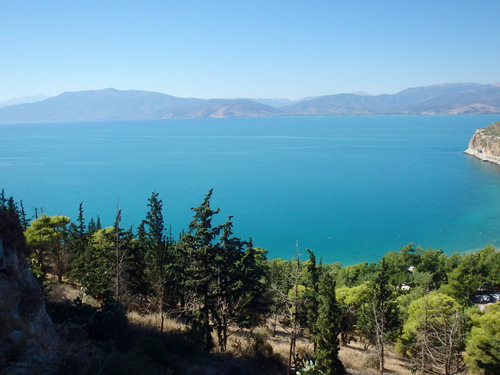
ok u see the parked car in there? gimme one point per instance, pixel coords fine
(475, 298)
(485, 298)
(495, 296)
(481, 298)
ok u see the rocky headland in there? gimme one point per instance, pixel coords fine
(485, 144)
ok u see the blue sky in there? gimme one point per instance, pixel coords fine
(260, 49)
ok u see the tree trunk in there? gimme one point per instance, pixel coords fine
(162, 308)
(290, 354)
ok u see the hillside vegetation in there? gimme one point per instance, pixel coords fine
(493, 129)
(223, 307)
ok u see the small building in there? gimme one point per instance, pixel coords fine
(405, 287)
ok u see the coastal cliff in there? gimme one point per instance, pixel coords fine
(485, 144)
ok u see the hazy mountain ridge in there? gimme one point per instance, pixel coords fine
(453, 98)
(444, 99)
(129, 104)
(22, 100)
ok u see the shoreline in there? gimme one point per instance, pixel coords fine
(483, 157)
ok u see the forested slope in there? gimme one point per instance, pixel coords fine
(218, 284)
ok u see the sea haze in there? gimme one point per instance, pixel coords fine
(349, 188)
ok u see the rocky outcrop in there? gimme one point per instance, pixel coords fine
(485, 144)
(26, 331)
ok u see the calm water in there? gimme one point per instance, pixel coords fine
(350, 188)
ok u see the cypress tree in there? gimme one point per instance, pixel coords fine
(157, 246)
(328, 329)
(311, 294)
(198, 245)
(138, 284)
(381, 312)
(77, 240)
(253, 303)
(96, 273)
(121, 241)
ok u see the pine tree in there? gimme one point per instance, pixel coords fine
(433, 333)
(483, 343)
(328, 329)
(46, 239)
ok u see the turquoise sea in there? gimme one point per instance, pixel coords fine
(349, 188)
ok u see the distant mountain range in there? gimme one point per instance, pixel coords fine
(26, 99)
(444, 99)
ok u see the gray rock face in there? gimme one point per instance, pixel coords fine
(15, 337)
(25, 327)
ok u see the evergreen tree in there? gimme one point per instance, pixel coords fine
(11, 227)
(22, 216)
(351, 301)
(433, 333)
(239, 284)
(94, 226)
(311, 293)
(77, 240)
(121, 241)
(483, 344)
(279, 273)
(97, 271)
(254, 302)
(328, 329)
(198, 244)
(294, 301)
(157, 247)
(46, 239)
(227, 287)
(382, 314)
(475, 270)
(138, 284)
(397, 264)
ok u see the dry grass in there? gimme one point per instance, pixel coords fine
(280, 342)
(361, 361)
(354, 356)
(65, 292)
(153, 320)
